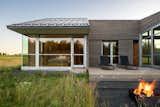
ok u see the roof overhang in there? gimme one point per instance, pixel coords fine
(60, 26)
(49, 30)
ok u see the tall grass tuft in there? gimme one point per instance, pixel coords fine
(45, 91)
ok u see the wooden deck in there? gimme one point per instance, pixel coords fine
(98, 74)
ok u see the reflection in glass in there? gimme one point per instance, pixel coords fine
(146, 46)
(107, 49)
(146, 50)
(55, 46)
(28, 60)
(78, 60)
(145, 34)
(28, 45)
(156, 51)
(115, 59)
(115, 48)
(78, 45)
(54, 60)
(157, 31)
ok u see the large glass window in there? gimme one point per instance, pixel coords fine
(55, 46)
(78, 51)
(106, 48)
(28, 60)
(146, 48)
(78, 59)
(110, 49)
(157, 31)
(54, 60)
(55, 51)
(28, 51)
(156, 42)
(157, 51)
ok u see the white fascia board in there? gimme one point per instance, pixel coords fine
(46, 68)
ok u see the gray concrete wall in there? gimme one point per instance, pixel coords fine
(123, 31)
(126, 48)
(114, 29)
(94, 52)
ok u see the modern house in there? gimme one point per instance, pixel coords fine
(66, 43)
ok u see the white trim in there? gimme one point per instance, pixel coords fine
(85, 51)
(54, 54)
(79, 66)
(22, 51)
(140, 50)
(46, 68)
(111, 53)
(72, 52)
(79, 54)
(102, 48)
(37, 52)
(152, 44)
(29, 54)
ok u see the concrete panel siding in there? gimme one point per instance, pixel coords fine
(114, 29)
(123, 31)
(126, 48)
(94, 52)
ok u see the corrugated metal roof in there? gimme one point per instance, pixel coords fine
(54, 22)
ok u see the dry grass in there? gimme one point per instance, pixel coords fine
(7, 61)
(42, 90)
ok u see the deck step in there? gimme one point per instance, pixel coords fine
(121, 77)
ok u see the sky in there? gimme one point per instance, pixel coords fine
(16, 11)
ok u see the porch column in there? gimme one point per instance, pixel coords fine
(72, 52)
(140, 50)
(37, 52)
(111, 53)
(152, 44)
(85, 51)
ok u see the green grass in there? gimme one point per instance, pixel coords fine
(45, 90)
(9, 68)
(10, 61)
(40, 89)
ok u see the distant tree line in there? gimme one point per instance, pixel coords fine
(5, 54)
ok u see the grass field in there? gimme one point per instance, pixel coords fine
(9, 61)
(40, 89)
(44, 90)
